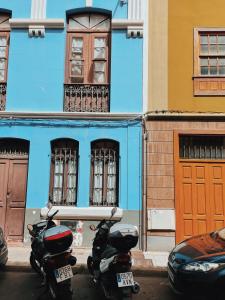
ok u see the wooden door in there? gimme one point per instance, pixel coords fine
(13, 184)
(200, 198)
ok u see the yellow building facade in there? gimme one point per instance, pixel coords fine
(184, 136)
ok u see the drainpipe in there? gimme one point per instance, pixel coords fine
(144, 186)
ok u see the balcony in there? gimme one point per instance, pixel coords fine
(86, 98)
(2, 96)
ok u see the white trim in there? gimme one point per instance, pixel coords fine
(135, 9)
(145, 56)
(83, 213)
(124, 23)
(47, 23)
(38, 9)
(89, 3)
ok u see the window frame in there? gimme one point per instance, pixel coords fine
(111, 144)
(57, 144)
(206, 85)
(4, 32)
(88, 36)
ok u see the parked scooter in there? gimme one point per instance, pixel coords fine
(51, 256)
(111, 261)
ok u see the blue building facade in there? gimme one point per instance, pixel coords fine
(40, 105)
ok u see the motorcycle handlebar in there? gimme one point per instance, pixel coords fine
(51, 217)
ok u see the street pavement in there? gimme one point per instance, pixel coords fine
(26, 286)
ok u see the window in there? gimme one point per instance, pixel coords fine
(64, 169)
(104, 173)
(87, 63)
(4, 48)
(202, 146)
(209, 63)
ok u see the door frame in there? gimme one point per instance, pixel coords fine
(10, 157)
(177, 160)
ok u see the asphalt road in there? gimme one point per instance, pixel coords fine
(26, 286)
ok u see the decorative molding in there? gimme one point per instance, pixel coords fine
(38, 9)
(89, 3)
(134, 27)
(47, 23)
(70, 116)
(83, 213)
(135, 10)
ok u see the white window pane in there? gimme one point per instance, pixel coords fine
(99, 77)
(57, 195)
(204, 61)
(77, 42)
(204, 39)
(221, 39)
(204, 49)
(97, 197)
(76, 68)
(2, 51)
(2, 75)
(58, 179)
(213, 70)
(213, 61)
(222, 61)
(71, 166)
(212, 39)
(221, 49)
(100, 42)
(2, 64)
(2, 41)
(213, 49)
(98, 164)
(71, 181)
(99, 66)
(58, 166)
(222, 70)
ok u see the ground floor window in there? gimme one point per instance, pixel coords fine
(202, 146)
(104, 173)
(64, 169)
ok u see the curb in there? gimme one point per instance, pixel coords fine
(82, 269)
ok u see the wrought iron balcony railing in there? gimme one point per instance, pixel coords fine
(2, 96)
(86, 98)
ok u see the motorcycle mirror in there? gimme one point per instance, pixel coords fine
(113, 211)
(92, 227)
(30, 227)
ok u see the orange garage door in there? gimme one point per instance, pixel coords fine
(200, 198)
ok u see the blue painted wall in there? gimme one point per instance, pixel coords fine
(36, 65)
(19, 8)
(40, 133)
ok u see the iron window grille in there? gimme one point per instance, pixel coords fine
(202, 146)
(104, 173)
(64, 170)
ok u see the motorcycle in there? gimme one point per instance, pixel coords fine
(111, 260)
(51, 256)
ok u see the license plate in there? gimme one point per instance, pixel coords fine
(63, 273)
(125, 279)
(170, 275)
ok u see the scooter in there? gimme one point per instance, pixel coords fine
(51, 256)
(111, 260)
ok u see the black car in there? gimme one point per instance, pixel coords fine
(198, 264)
(3, 249)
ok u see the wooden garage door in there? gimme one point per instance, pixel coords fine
(200, 198)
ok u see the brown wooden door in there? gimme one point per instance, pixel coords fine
(200, 198)
(13, 184)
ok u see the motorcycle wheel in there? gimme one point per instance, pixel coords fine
(60, 291)
(35, 264)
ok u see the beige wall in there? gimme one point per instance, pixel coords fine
(158, 55)
(184, 16)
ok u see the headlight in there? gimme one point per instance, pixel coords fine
(201, 266)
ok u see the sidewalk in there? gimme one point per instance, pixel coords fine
(18, 260)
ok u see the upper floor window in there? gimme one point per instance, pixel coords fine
(64, 169)
(104, 173)
(87, 63)
(4, 49)
(209, 62)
